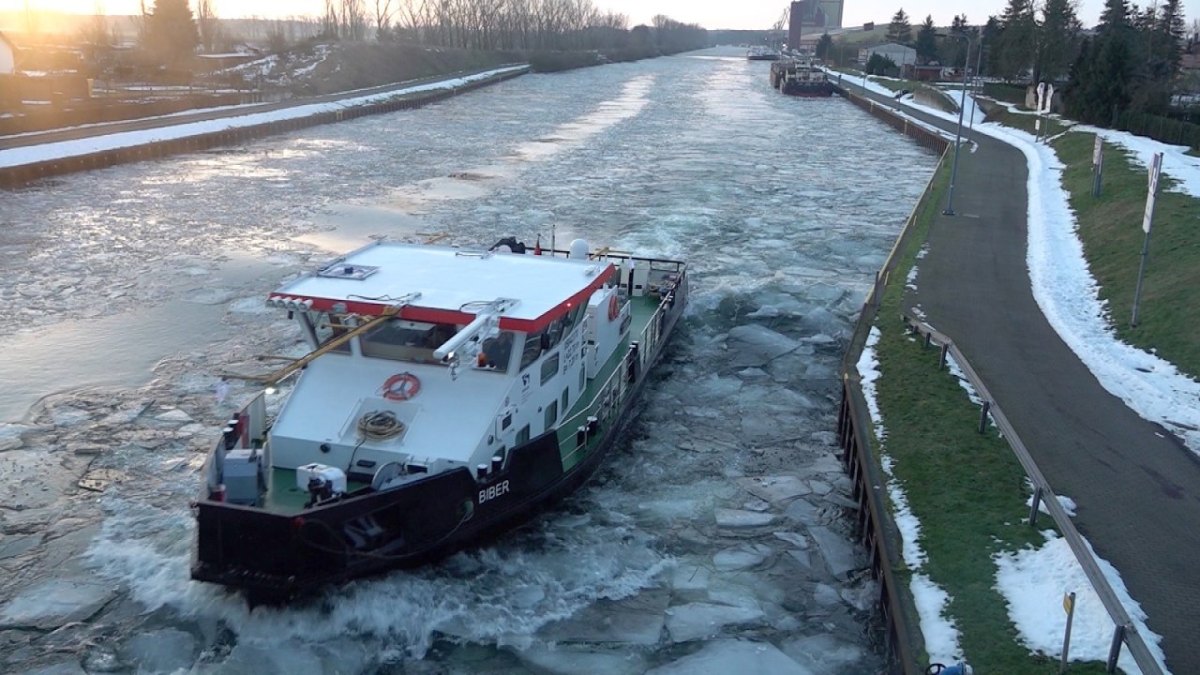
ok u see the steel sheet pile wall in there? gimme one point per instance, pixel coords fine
(923, 136)
(876, 528)
(11, 177)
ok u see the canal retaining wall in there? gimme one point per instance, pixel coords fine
(17, 176)
(875, 527)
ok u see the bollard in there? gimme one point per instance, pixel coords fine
(1114, 651)
(983, 416)
(942, 357)
(1037, 502)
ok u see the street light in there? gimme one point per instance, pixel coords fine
(949, 210)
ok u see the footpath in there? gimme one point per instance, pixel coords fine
(1133, 482)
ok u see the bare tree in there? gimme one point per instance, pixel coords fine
(353, 20)
(209, 25)
(383, 17)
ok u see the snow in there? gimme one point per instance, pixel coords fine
(1069, 298)
(734, 656)
(1034, 581)
(1182, 167)
(85, 146)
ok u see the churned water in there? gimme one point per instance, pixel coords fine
(716, 534)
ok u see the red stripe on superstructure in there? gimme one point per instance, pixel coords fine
(436, 315)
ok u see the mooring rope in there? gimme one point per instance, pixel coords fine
(379, 425)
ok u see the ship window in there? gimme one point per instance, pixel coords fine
(496, 352)
(566, 397)
(533, 348)
(549, 368)
(523, 435)
(401, 340)
(551, 414)
(582, 378)
(329, 326)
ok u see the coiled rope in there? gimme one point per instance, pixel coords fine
(379, 425)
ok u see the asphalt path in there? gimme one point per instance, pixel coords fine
(201, 115)
(1137, 488)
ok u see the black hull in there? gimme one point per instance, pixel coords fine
(810, 91)
(274, 557)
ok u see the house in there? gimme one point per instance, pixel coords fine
(899, 54)
(8, 56)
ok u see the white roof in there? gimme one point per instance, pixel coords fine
(450, 280)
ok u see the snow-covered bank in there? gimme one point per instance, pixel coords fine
(1177, 164)
(940, 633)
(85, 146)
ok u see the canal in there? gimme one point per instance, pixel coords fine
(716, 534)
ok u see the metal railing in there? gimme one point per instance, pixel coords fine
(1125, 631)
(607, 400)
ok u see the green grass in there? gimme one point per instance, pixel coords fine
(1110, 227)
(967, 489)
(999, 113)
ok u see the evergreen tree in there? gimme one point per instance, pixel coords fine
(1114, 18)
(1017, 48)
(824, 47)
(993, 33)
(1058, 38)
(954, 51)
(1172, 30)
(900, 30)
(1102, 80)
(170, 31)
(927, 47)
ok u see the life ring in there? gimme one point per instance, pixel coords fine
(400, 387)
(614, 308)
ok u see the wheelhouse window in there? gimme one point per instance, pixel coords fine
(496, 352)
(328, 327)
(401, 340)
(548, 338)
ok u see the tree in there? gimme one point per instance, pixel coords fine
(927, 47)
(824, 45)
(992, 32)
(171, 34)
(900, 30)
(879, 64)
(1172, 31)
(210, 27)
(1017, 48)
(954, 52)
(1058, 39)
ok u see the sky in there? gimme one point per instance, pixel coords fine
(747, 14)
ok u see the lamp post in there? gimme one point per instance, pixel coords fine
(949, 210)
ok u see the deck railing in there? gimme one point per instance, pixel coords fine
(607, 401)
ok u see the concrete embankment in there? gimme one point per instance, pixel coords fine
(20, 166)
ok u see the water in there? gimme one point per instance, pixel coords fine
(128, 291)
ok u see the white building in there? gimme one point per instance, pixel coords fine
(899, 54)
(8, 56)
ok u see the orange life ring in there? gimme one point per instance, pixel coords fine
(613, 308)
(400, 387)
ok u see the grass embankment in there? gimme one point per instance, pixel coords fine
(997, 112)
(967, 489)
(1110, 227)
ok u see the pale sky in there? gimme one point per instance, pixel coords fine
(752, 14)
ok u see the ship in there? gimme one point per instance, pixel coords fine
(449, 396)
(798, 75)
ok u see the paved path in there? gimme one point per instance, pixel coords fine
(1136, 487)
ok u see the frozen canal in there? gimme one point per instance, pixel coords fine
(717, 533)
